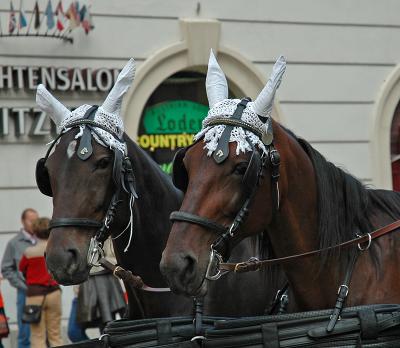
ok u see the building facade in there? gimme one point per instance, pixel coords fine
(340, 92)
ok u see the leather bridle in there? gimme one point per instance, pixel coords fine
(123, 178)
(225, 233)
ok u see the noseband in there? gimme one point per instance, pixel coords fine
(123, 178)
(251, 181)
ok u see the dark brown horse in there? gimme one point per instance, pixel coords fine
(82, 189)
(311, 205)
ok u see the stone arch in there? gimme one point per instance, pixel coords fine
(386, 102)
(191, 54)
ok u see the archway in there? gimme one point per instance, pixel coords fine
(191, 54)
(380, 131)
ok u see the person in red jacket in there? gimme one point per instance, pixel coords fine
(42, 289)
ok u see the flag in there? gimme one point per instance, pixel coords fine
(72, 15)
(60, 14)
(86, 21)
(22, 18)
(77, 9)
(91, 25)
(50, 16)
(82, 13)
(36, 12)
(12, 24)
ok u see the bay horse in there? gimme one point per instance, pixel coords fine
(103, 184)
(247, 175)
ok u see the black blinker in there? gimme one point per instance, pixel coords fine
(179, 173)
(42, 178)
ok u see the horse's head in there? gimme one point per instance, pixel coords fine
(86, 178)
(221, 176)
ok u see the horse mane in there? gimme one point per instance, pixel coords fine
(345, 206)
(152, 168)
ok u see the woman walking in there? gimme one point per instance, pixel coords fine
(43, 290)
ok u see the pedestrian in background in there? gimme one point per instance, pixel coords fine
(9, 268)
(42, 289)
(101, 297)
(4, 329)
(76, 332)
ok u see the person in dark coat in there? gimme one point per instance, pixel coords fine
(101, 297)
(9, 268)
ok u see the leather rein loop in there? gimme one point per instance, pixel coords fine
(255, 265)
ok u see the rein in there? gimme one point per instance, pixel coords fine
(254, 264)
(216, 263)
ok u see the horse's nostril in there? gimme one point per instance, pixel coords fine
(73, 253)
(190, 264)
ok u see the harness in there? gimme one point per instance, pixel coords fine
(251, 180)
(123, 178)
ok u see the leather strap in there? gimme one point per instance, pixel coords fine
(221, 153)
(342, 295)
(368, 324)
(164, 331)
(248, 266)
(234, 123)
(85, 149)
(270, 335)
(197, 220)
(134, 281)
(74, 222)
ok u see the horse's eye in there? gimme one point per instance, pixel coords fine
(240, 168)
(103, 163)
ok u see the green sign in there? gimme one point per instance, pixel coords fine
(174, 117)
(170, 125)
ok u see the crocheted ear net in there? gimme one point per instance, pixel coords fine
(212, 134)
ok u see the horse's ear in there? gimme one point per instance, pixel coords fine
(216, 84)
(50, 105)
(113, 102)
(262, 106)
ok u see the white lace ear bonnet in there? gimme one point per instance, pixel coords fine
(256, 113)
(108, 114)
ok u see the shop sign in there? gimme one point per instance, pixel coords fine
(27, 123)
(170, 125)
(57, 78)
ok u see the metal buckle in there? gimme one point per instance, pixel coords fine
(102, 336)
(107, 222)
(343, 286)
(118, 268)
(95, 252)
(331, 316)
(214, 261)
(275, 157)
(369, 242)
(195, 338)
(232, 228)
